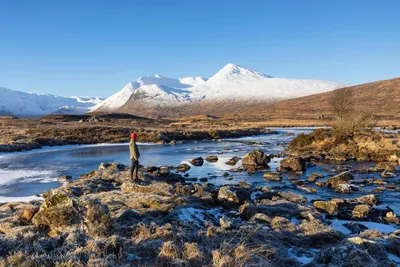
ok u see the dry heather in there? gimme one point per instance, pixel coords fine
(109, 221)
(25, 134)
(366, 145)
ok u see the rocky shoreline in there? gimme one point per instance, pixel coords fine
(169, 219)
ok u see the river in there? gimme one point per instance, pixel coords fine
(25, 174)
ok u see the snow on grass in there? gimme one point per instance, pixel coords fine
(197, 215)
(302, 258)
(383, 228)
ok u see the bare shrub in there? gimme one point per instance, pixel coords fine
(341, 102)
(349, 119)
(358, 122)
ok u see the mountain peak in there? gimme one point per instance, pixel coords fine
(232, 71)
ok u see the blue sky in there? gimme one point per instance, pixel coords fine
(95, 47)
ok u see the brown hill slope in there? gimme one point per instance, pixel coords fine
(381, 98)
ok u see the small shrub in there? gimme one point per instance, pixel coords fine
(301, 141)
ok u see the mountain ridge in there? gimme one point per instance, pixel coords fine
(231, 82)
(23, 104)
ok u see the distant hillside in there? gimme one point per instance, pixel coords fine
(381, 97)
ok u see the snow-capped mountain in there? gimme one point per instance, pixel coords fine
(232, 82)
(22, 104)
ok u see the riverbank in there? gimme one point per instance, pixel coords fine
(170, 219)
(330, 144)
(58, 130)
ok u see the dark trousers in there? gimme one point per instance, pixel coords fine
(135, 169)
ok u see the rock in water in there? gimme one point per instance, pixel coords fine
(233, 196)
(212, 159)
(57, 211)
(272, 176)
(232, 161)
(292, 197)
(98, 219)
(256, 159)
(314, 177)
(183, 167)
(329, 207)
(339, 179)
(361, 211)
(368, 200)
(296, 164)
(197, 161)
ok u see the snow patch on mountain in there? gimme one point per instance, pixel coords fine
(22, 104)
(232, 82)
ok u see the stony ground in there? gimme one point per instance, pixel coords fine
(102, 219)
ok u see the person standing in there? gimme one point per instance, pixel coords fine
(135, 155)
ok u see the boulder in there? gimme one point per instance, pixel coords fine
(342, 178)
(57, 211)
(212, 159)
(272, 176)
(256, 159)
(380, 213)
(346, 188)
(233, 196)
(292, 197)
(260, 218)
(361, 211)
(232, 161)
(314, 177)
(28, 213)
(328, 207)
(183, 167)
(197, 161)
(97, 219)
(296, 164)
(248, 210)
(368, 200)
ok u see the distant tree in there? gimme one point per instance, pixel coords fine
(341, 102)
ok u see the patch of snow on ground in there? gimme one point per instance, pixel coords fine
(383, 228)
(190, 214)
(303, 258)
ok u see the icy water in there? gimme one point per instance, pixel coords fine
(24, 174)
